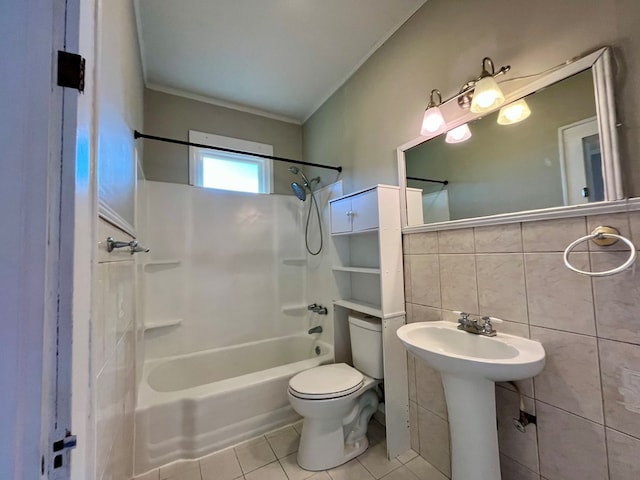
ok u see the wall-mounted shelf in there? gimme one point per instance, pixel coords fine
(360, 306)
(358, 232)
(165, 262)
(365, 270)
(174, 322)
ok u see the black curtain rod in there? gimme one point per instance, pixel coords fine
(137, 134)
(443, 182)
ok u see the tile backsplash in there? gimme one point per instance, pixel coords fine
(587, 399)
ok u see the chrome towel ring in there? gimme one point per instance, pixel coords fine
(603, 236)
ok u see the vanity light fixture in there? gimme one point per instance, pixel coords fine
(514, 112)
(433, 122)
(486, 92)
(459, 134)
(480, 95)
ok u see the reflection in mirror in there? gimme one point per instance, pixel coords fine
(551, 157)
(509, 168)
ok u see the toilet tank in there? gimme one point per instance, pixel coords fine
(366, 344)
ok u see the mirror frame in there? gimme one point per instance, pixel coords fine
(600, 62)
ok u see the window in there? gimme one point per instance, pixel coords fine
(229, 171)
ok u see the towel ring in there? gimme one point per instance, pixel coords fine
(602, 236)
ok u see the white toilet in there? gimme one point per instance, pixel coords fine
(337, 400)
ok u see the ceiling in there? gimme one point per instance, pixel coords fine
(281, 58)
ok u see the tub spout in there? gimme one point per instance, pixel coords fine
(313, 330)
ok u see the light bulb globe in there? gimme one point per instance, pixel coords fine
(432, 122)
(486, 95)
(459, 134)
(514, 112)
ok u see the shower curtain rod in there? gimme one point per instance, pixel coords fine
(443, 182)
(137, 134)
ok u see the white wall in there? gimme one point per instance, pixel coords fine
(173, 116)
(119, 110)
(240, 265)
(441, 46)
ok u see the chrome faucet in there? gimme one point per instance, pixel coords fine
(313, 330)
(319, 309)
(472, 326)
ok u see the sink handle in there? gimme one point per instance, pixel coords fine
(487, 327)
(493, 319)
(464, 317)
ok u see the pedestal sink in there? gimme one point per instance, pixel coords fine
(470, 365)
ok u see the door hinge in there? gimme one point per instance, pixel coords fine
(585, 192)
(71, 70)
(69, 442)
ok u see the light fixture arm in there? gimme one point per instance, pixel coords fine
(485, 70)
(432, 102)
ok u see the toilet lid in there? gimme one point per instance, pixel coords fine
(326, 381)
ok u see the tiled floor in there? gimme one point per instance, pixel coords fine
(273, 457)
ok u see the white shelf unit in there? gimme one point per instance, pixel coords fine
(367, 267)
(366, 232)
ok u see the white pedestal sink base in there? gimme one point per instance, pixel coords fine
(470, 364)
(471, 403)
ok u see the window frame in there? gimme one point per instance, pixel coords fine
(196, 154)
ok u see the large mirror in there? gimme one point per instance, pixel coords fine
(563, 154)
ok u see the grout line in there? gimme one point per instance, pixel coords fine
(235, 454)
(606, 451)
(521, 464)
(607, 427)
(586, 335)
(544, 327)
(570, 413)
(602, 409)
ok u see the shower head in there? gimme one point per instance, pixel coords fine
(299, 191)
(307, 182)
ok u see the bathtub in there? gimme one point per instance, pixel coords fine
(195, 404)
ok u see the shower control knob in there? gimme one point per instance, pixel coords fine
(312, 306)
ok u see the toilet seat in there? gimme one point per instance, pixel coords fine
(327, 381)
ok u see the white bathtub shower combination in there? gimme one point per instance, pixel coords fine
(194, 404)
(231, 270)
